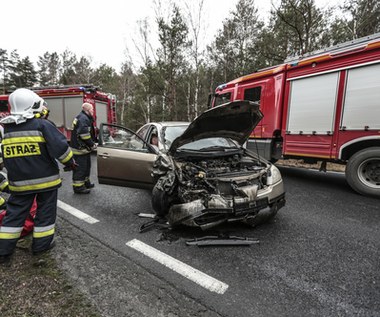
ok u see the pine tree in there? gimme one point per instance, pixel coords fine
(360, 18)
(49, 67)
(171, 55)
(4, 80)
(28, 75)
(67, 72)
(235, 50)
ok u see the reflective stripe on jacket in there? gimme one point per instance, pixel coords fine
(30, 151)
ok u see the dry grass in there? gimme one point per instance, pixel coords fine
(33, 286)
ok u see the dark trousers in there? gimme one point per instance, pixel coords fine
(18, 208)
(82, 173)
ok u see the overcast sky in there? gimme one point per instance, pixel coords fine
(100, 29)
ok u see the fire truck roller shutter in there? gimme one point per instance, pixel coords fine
(362, 92)
(73, 105)
(312, 104)
(55, 105)
(101, 113)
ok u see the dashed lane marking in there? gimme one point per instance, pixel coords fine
(185, 270)
(76, 212)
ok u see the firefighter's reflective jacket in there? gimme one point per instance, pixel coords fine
(82, 136)
(4, 188)
(30, 151)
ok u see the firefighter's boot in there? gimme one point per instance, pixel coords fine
(81, 190)
(39, 252)
(88, 184)
(5, 260)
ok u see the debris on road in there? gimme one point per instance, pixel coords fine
(222, 241)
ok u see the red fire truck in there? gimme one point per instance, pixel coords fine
(323, 107)
(64, 103)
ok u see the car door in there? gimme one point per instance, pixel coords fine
(124, 158)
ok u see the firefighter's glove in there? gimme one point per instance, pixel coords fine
(93, 148)
(71, 167)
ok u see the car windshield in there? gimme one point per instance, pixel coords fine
(210, 144)
(172, 132)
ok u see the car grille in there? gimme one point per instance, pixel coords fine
(210, 216)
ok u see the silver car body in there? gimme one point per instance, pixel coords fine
(203, 177)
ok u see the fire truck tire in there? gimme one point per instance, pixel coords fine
(160, 201)
(363, 171)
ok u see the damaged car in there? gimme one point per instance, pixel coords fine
(202, 177)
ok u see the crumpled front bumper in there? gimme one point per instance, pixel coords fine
(218, 209)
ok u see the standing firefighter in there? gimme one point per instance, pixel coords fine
(30, 149)
(82, 143)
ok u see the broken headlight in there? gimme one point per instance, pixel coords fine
(274, 175)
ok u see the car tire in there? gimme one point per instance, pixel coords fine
(363, 171)
(160, 201)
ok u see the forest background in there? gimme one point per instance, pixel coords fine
(176, 76)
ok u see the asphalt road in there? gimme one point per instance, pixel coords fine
(319, 257)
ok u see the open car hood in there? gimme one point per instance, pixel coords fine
(234, 120)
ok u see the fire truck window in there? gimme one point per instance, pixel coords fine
(4, 106)
(253, 94)
(222, 98)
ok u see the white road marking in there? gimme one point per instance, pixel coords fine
(185, 270)
(77, 213)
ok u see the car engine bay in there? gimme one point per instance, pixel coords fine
(208, 189)
(225, 176)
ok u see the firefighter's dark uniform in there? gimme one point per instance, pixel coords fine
(82, 141)
(30, 150)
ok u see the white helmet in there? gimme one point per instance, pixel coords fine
(25, 103)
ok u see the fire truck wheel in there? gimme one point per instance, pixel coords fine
(160, 201)
(363, 171)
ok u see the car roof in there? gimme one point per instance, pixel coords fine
(172, 123)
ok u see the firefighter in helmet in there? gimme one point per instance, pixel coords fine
(82, 143)
(30, 149)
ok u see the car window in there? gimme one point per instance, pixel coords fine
(142, 132)
(209, 143)
(153, 137)
(171, 133)
(117, 137)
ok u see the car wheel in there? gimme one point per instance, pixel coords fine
(160, 201)
(363, 171)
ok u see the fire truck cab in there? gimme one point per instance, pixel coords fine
(321, 107)
(65, 102)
